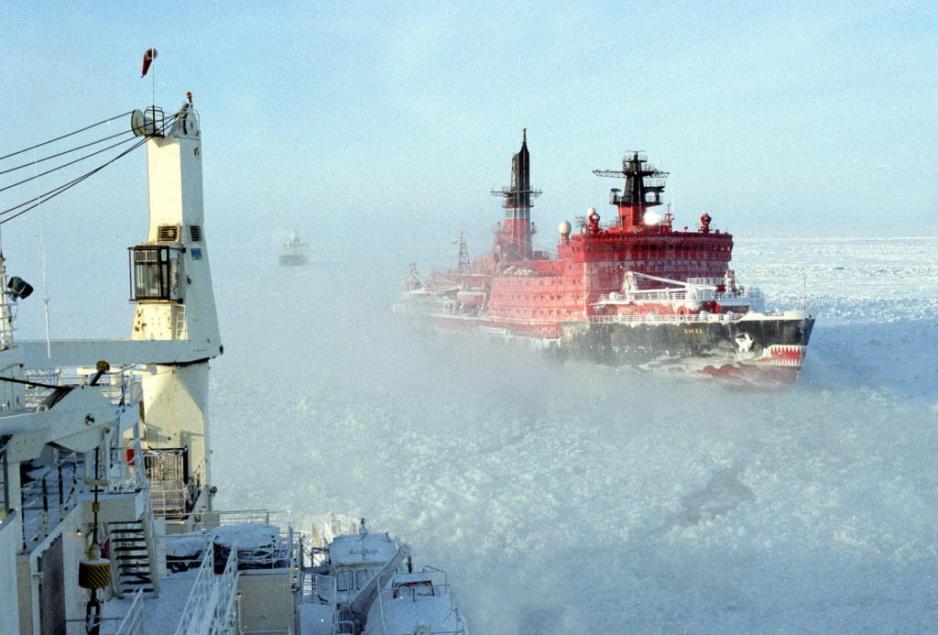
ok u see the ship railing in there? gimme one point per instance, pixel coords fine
(119, 387)
(169, 498)
(225, 615)
(199, 606)
(203, 523)
(126, 473)
(664, 319)
(740, 297)
(210, 605)
(132, 624)
(310, 559)
(214, 519)
(49, 497)
(651, 294)
(171, 494)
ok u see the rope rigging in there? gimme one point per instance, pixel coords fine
(65, 165)
(63, 153)
(6, 215)
(65, 136)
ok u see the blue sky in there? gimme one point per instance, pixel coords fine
(383, 126)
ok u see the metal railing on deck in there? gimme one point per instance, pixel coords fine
(126, 475)
(210, 605)
(225, 613)
(132, 624)
(119, 386)
(211, 520)
(663, 318)
(48, 498)
(169, 498)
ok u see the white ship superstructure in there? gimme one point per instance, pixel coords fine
(107, 521)
(294, 251)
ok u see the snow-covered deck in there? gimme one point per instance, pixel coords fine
(315, 619)
(161, 615)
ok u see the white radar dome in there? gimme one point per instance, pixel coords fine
(564, 228)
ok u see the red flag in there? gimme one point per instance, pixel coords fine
(148, 58)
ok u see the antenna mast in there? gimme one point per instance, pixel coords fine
(463, 265)
(642, 180)
(517, 230)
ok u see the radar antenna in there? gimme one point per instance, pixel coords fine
(644, 185)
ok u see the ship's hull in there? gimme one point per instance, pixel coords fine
(757, 350)
(293, 260)
(760, 350)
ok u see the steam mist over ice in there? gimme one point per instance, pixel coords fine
(567, 498)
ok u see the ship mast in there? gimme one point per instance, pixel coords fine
(515, 235)
(644, 185)
(463, 264)
(172, 292)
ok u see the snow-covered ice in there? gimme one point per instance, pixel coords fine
(575, 498)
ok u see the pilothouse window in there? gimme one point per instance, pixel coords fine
(153, 273)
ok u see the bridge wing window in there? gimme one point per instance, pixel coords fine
(153, 272)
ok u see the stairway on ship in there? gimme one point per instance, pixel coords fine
(130, 554)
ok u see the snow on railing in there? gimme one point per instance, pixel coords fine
(119, 386)
(200, 605)
(208, 522)
(46, 499)
(194, 614)
(132, 624)
(224, 617)
(121, 478)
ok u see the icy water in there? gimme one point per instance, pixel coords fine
(574, 498)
